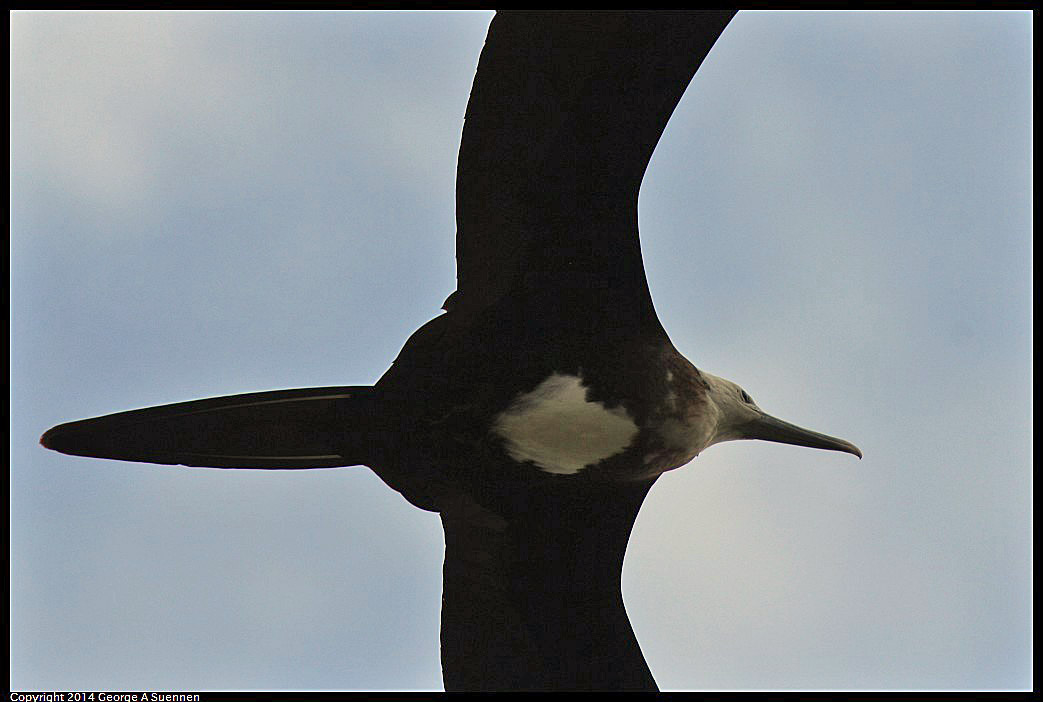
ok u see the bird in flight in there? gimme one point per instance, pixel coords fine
(537, 411)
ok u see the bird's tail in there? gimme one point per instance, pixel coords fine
(279, 429)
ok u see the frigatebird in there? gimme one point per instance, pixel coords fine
(535, 414)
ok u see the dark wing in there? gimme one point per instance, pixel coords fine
(565, 111)
(531, 598)
(302, 428)
(564, 114)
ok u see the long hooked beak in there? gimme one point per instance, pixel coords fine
(768, 428)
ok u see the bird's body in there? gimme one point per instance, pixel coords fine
(536, 413)
(546, 404)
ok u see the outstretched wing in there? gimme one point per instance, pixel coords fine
(301, 428)
(531, 597)
(565, 111)
(564, 114)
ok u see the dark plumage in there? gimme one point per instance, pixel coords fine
(535, 414)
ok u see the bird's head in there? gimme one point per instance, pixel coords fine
(739, 417)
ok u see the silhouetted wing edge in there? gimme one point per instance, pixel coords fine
(533, 600)
(563, 117)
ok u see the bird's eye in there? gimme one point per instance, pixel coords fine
(745, 397)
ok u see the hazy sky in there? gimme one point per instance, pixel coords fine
(838, 217)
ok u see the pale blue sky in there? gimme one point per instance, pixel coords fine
(838, 217)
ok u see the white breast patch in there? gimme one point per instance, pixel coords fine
(555, 427)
